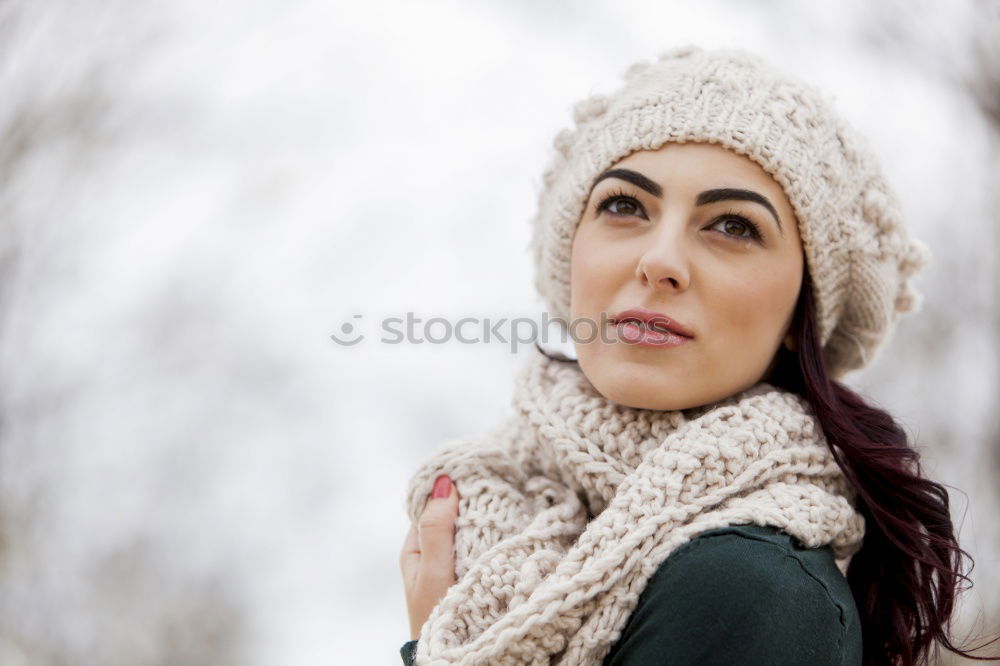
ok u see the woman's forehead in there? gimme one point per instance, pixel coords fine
(696, 167)
(696, 162)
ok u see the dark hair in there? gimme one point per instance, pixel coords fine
(909, 571)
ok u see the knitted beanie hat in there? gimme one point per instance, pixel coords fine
(857, 249)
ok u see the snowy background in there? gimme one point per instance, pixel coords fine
(194, 196)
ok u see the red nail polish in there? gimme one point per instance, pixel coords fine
(442, 487)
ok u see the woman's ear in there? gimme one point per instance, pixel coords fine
(789, 342)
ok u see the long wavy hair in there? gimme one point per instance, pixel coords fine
(910, 569)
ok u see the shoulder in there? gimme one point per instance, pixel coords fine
(743, 594)
(772, 564)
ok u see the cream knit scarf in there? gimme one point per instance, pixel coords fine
(568, 507)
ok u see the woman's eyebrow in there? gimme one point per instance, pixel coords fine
(633, 177)
(706, 197)
(730, 193)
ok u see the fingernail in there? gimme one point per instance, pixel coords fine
(442, 487)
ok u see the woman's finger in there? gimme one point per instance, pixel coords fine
(436, 531)
(409, 556)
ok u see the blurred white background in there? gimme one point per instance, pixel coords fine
(194, 196)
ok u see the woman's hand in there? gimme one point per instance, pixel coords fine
(428, 556)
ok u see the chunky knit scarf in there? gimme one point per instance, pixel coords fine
(568, 507)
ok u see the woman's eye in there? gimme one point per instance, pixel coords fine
(622, 206)
(738, 226)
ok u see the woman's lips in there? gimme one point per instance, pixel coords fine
(632, 332)
(653, 319)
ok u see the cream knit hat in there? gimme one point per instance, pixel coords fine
(857, 249)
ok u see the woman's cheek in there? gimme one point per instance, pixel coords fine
(758, 308)
(588, 276)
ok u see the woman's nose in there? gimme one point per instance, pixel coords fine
(664, 264)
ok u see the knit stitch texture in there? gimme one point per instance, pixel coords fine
(568, 506)
(856, 246)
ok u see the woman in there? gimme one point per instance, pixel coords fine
(696, 486)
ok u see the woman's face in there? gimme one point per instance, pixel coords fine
(704, 237)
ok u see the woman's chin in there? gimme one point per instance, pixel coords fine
(633, 385)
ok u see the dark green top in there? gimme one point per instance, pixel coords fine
(742, 594)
